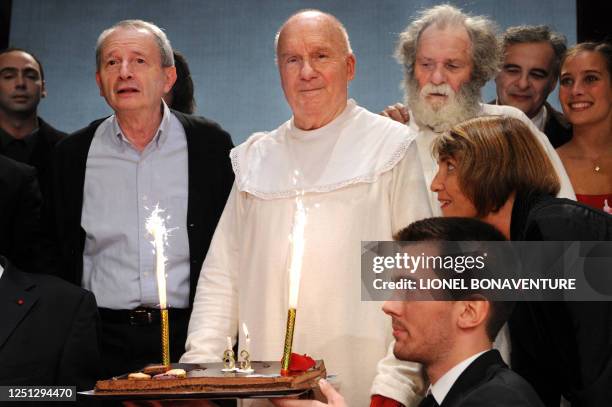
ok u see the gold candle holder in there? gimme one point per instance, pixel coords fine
(288, 341)
(245, 363)
(229, 361)
(165, 334)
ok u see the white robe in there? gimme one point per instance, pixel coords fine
(362, 180)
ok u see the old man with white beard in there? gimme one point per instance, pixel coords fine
(448, 57)
(358, 176)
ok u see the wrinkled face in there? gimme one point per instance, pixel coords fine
(130, 75)
(585, 89)
(453, 201)
(315, 69)
(21, 85)
(422, 329)
(526, 78)
(443, 57)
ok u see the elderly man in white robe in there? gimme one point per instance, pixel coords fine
(358, 176)
(448, 56)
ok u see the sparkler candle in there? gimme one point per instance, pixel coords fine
(295, 270)
(155, 225)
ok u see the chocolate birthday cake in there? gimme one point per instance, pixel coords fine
(210, 378)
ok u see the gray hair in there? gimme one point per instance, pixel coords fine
(485, 50)
(526, 34)
(340, 26)
(165, 49)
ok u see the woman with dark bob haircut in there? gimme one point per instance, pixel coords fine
(494, 169)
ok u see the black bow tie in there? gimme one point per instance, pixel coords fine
(429, 401)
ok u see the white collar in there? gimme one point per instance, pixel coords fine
(540, 119)
(441, 388)
(1, 270)
(356, 147)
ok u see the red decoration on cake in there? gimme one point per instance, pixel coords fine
(300, 363)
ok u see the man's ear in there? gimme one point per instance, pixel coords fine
(43, 93)
(473, 313)
(351, 61)
(170, 73)
(99, 82)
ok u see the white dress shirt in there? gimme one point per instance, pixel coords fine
(540, 119)
(441, 388)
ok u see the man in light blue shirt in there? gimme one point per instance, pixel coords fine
(112, 174)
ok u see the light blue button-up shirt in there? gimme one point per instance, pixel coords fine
(122, 186)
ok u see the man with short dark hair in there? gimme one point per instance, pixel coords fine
(109, 177)
(24, 136)
(530, 69)
(452, 338)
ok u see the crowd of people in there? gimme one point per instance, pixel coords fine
(440, 166)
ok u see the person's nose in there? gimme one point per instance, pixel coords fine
(523, 82)
(438, 76)
(20, 81)
(388, 307)
(125, 71)
(436, 184)
(307, 71)
(578, 88)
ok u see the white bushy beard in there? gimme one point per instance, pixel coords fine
(459, 106)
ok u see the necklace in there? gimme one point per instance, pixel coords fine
(596, 163)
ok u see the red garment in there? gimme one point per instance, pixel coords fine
(601, 202)
(381, 401)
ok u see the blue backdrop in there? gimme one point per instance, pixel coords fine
(229, 46)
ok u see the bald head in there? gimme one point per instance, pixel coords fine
(316, 64)
(328, 25)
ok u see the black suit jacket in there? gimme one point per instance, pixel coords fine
(49, 331)
(563, 348)
(489, 382)
(557, 128)
(46, 139)
(40, 159)
(20, 211)
(210, 180)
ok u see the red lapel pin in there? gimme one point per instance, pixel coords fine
(20, 302)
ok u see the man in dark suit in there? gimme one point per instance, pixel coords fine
(24, 136)
(49, 331)
(20, 208)
(452, 337)
(108, 178)
(530, 69)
